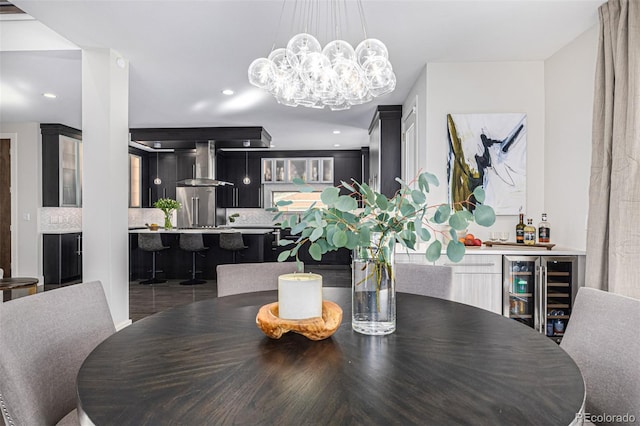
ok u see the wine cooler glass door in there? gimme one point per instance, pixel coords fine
(521, 289)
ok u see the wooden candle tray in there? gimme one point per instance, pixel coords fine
(317, 328)
(548, 246)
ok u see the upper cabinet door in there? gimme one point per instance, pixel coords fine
(61, 166)
(70, 172)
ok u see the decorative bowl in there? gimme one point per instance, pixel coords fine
(317, 328)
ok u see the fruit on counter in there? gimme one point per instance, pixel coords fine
(470, 240)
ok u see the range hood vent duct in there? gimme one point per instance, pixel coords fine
(204, 167)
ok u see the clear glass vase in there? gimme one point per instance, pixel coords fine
(374, 288)
(167, 220)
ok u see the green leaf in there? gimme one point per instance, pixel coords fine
(330, 196)
(285, 242)
(295, 230)
(352, 240)
(283, 203)
(424, 234)
(442, 214)
(340, 239)
(431, 178)
(347, 186)
(277, 216)
(418, 197)
(346, 203)
(294, 251)
(365, 236)
(455, 251)
(317, 233)
(382, 202)
(433, 251)
(453, 234)
(298, 181)
(484, 215)
(407, 209)
(315, 251)
(324, 246)
(271, 209)
(458, 221)
(478, 193)
(284, 255)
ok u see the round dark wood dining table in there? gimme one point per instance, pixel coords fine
(207, 363)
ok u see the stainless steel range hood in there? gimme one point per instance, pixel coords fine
(204, 174)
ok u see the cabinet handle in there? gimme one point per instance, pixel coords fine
(544, 299)
(197, 211)
(149, 196)
(164, 192)
(469, 264)
(193, 171)
(193, 209)
(260, 201)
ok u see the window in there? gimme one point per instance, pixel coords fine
(135, 180)
(300, 200)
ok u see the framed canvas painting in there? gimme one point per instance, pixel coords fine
(489, 150)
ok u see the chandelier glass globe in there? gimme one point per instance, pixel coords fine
(337, 76)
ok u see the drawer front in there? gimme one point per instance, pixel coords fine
(474, 264)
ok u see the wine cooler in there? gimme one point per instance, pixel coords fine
(539, 291)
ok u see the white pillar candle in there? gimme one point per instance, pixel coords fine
(299, 296)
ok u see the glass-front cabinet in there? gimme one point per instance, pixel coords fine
(61, 166)
(539, 291)
(285, 170)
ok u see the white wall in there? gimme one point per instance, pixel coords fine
(26, 184)
(569, 83)
(487, 87)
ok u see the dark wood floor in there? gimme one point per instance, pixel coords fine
(145, 300)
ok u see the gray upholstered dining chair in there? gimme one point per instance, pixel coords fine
(45, 339)
(424, 280)
(603, 338)
(250, 277)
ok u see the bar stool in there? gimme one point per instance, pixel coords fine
(194, 244)
(151, 242)
(233, 242)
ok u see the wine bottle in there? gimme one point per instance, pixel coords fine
(544, 230)
(529, 233)
(520, 230)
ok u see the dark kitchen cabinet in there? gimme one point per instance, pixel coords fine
(233, 167)
(62, 257)
(61, 166)
(185, 164)
(347, 165)
(163, 166)
(385, 149)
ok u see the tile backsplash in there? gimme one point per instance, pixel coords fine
(251, 217)
(138, 217)
(56, 219)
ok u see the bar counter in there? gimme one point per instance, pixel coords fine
(175, 263)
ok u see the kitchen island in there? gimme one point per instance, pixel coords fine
(176, 263)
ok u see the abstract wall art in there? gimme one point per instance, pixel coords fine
(489, 150)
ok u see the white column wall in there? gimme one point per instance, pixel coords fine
(26, 177)
(105, 133)
(569, 86)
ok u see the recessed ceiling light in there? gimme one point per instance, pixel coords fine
(272, 145)
(49, 95)
(227, 92)
(336, 145)
(336, 132)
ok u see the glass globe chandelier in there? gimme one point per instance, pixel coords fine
(337, 76)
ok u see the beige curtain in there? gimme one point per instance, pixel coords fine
(613, 241)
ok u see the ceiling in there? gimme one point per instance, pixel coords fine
(182, 54)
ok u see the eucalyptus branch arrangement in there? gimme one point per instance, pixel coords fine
(366, 218)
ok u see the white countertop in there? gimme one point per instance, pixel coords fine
(505, 250)
(248, 231)
(62, 231)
